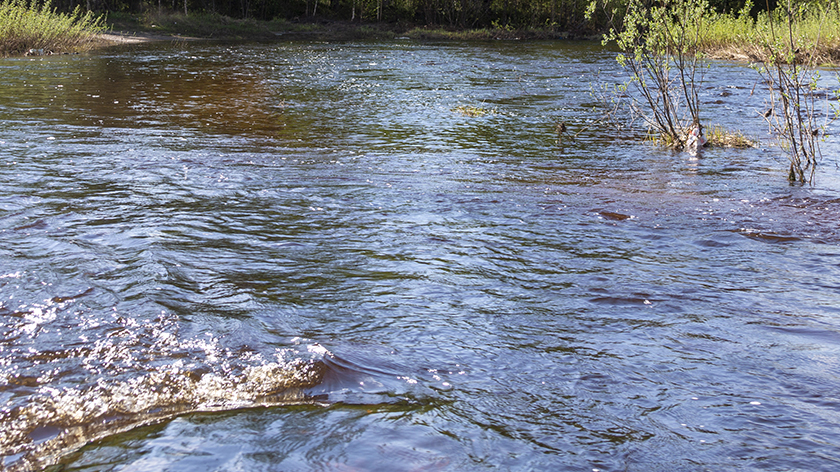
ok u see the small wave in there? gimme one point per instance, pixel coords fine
(769, 237)
(59, 421)
(88, 375)
(141, 373)
(615, 216)
(364, 374)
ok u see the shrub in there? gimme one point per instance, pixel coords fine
(30, 27)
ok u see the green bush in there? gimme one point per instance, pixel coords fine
(30, 27)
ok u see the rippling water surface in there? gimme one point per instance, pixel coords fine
(302, 256)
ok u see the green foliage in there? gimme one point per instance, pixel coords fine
(721, 137)
(815, 30)
(726, 29)
(473, 111)
(205, 25)
(29, 26)
(662, 44)
(792, 77)
(659, 46)
(568, 16)
(558, 15)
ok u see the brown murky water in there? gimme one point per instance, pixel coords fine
(302, 256)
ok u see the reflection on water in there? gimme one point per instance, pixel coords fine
(301, 256)
(166, 90)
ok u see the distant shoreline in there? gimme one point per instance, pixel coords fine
(121, 34)
(121, 37)
(125, 30)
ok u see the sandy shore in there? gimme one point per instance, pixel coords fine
(117, 37)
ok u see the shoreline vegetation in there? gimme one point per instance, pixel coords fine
(206, 26)
(727, 36)
(663, 44)
(30, 25)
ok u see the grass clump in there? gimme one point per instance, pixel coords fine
(27, 26)
(718, 136)
(472, 111)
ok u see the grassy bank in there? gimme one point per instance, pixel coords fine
(729, 36)
(484, 34)
(815, 32)
(214, 26)
(219, 27)
(29, 28)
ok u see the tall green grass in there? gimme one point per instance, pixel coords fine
(27, 25)
(815, 32)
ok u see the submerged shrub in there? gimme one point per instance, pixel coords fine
(659, 47)
(27, 25)
(791, 77)
(473, 111)
(721, 137)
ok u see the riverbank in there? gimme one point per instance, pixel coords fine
(725, 37)
(177, 27)
(124, 37)
(813, 35)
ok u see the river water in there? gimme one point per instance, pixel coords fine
(312, 256)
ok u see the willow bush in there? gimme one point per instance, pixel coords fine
(786, 45)
(789, 69)
(663, 42)
(659, 47)
(37, 27)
